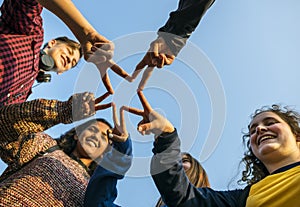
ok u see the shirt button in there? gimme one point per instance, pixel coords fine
(22, 86)
(8, 95)
(34, 56)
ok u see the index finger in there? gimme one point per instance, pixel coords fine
(117, 69)
(101, 98)
(145, 103)
(138, 69)
(146, 75)
(155, 49)
(133, 110)
(115, 116)
(102, 106)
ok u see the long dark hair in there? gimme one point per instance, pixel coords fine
(255, 170)
(68, 143)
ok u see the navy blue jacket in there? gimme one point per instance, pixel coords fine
(174, 186)
(183, 22)
(101, 190)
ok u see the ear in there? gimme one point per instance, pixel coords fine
(75, 137)
(51, 43)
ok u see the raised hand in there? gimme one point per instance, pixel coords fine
(152, 121)
(119, 132)
(101, 56)
(158, 55)
(85, 105)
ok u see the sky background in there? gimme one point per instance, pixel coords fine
(243, 55)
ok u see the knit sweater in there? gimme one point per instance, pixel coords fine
(33, 178)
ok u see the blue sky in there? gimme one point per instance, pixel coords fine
(243, 55)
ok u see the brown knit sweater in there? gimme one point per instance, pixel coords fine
(52, 179)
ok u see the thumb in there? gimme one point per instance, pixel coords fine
(144, 128)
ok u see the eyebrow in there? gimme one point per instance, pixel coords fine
(105, 135)
(264, 120)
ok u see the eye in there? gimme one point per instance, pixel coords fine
(252, 131)
(74, 63)
(93, 129)
(270, 122)
(185, 160)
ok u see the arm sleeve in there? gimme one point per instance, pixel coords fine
(101, 190)
(30, 117)
(174, 186)
(183, 22)
(22, 17)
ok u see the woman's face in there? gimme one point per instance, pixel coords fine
(271, 138)
(93, 141)
(186, 164)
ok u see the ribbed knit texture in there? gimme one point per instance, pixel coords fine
(31, 180)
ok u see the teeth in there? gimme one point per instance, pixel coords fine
(265, 138)
(92, 142)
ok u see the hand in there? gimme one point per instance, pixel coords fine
(152, 121)
(119, 132)
(158, 56)
(101, 56)
(85, 105)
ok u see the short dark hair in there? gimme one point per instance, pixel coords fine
(71, 43)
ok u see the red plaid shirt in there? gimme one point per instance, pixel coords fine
(21, 38)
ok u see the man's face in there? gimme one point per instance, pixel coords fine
(63, 55)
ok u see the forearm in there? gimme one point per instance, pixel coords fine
(167, 171)
(70, 15)
(101, 190)
(33, 116)
(182, 22)
(174, 186)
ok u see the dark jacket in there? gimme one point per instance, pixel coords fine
(101, 190)
(174, 186)
(183, 22)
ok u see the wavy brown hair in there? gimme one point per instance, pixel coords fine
(255, 170)
(196, 174)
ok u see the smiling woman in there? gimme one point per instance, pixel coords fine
(272, 162)
(56, 171)
(273, 141)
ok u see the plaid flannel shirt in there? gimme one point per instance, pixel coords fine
(21, 38)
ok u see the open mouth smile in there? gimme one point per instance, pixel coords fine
(264, 138)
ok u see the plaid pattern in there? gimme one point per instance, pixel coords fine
(53, 179)
(21, 38)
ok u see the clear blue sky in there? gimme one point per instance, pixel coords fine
(243, 55)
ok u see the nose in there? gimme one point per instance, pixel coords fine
(68, 59)
(260, 129)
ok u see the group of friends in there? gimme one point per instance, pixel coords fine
(82, 166)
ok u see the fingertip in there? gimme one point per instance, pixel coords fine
(111, 91)
(110, 136)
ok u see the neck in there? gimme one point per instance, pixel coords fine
(86, 161)
(282, 163)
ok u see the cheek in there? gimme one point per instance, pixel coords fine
(186, 165)
(252, 140)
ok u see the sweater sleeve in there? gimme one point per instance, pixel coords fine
(30, 117)
(174, 186)
(183, 22)
(101, 190)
